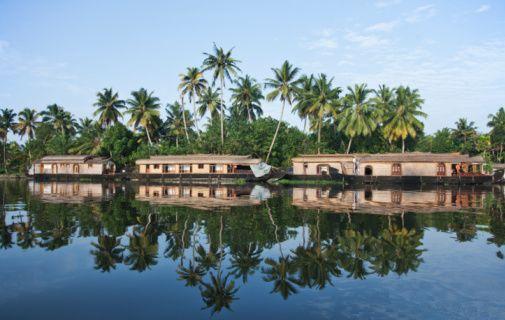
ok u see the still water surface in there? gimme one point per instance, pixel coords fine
(87, 250)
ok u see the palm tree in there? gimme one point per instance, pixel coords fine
(322, 100)
(144, 111)
(175, 121)
(464, 131)
(245, 261)
(246, 98)
(60, 119)
(359, 117)
(192, 84)
(404, 122)
(497, 133)
(283, 86)
(192, 274)
(142, 252)
(108, 252)
(384, 99)
(305, 86)
(108, 105)
(7, 123)
(218, 293)
(223, 67)
(90, 137)
(27, 123)
(210, 102)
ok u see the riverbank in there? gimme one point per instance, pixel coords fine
(12, 176)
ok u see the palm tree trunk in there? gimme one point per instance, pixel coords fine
(349, 146)
(184, 118)
(403, 145)
(196, 117)
(276, 131)
(177, 142)
(249, 115)
(149, 136)
(5, 163)
(221, 113)
(319, 135)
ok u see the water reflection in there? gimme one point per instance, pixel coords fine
(389, 201)
(288, 243)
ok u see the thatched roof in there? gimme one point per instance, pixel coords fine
(200, 159)
(71, 159)
(391, 157)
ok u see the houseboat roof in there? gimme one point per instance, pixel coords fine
(200, 158)
(391, 157)
(71, 159)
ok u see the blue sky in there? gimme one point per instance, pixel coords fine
(65, 51)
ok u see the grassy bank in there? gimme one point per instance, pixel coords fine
(6, 176)
(295, 182)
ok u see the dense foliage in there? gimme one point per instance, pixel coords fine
(358, 119)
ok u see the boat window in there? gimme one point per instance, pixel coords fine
(200, 166)
(368, 194)
(368, 171)
(156, 166)
(441, 169)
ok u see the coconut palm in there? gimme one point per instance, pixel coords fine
(108, 107)
(465, 130)
(218, 293)
(246, 97)
(192, 274)
(90, 137)
(27, 123)
(142, 252)
(283, 86)
(404, 121)
(244, 262)
(175, 121)
(384, 99)
(192, 84)
(322, 101)
(144, 111)
(359, 117)
(108, 252)
(497, 133)
(210, 102)
(223, 67)
(59, 119)
(7, 123)
(305, 86)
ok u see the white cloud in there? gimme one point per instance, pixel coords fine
(386, 3)
(483, 8)
(383, 26)
(421, 13)
(366, 41)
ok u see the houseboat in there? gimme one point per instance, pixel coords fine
(404, 168)
(390, 202)
(202, 197)
(71, 191)
(201, 166)
(72, 166)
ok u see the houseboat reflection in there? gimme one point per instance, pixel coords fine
(204, 197)
(378, 201)
(71, 192)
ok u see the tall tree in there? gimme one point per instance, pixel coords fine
(210, 102)
(283, 86)
(7, 123)
(27, 123)
(175, 124)
(108, 107)
(144, 111)
(404, 121)
(322, 101)
(246, 98)
(359, 117)
(464, 135)
(304, 88)
(223, 67)
(192, 84)
(497, 133)
(61, 120)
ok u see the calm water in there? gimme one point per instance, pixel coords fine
(81, 251)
